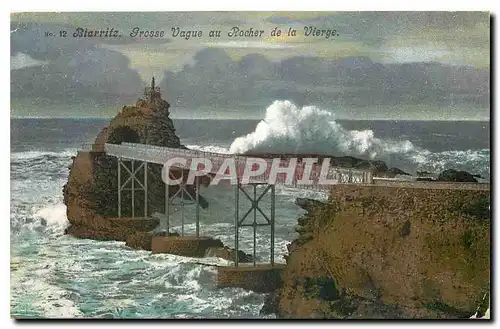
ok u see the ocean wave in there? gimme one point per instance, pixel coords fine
(288, 128)
(34, 293)
(474, 161)
(34, 155)
(54, 218)
(47, 218)
(38, 166)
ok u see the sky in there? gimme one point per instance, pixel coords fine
(371, 65)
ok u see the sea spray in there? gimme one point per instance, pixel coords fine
(287, 128)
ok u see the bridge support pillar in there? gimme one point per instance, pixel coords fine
(130, 184)
(254, 208)
(262, 278)
(197, 187)
(183, 195)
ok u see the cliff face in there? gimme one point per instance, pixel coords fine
(91, 191)
(386, 252)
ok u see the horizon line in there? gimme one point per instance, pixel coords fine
(242, 119)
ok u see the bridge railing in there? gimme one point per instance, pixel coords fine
(160, 155)
(92, 147)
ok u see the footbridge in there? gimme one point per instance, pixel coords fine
(133, 157)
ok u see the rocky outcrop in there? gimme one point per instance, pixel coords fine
(308, 204)
(228, 254)
(103, 228)
(384, 252)
(90, 194)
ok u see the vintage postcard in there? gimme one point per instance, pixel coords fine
(236, 165)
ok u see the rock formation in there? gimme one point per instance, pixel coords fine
(387, 252)
(452, 175)
(90, 194)
(228, 254)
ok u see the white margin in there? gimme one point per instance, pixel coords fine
(226, 5)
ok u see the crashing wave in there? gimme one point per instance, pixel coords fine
(38, 155)
(288, 128)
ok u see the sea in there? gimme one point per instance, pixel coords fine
(54, 275)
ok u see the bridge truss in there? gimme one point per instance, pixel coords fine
(145, 154)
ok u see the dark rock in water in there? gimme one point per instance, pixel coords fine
(393, 172)
(228, 254)
(376, 167)
(271, 304)
(346, 161)
(452, 175)
(308, 204)
(478, 176)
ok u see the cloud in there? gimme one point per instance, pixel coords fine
(96, 74)
(379, 59)
(48, 69)
(454, 32)
(217, 80)
(20, 60)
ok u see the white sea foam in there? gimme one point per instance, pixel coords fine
(209, 148)
(293, 193)
(53, 217)
(30, 281)
(31, 155)
(288, 128)
(485, 316)
(470, 160)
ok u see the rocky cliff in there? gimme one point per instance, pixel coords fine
(389, 252)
